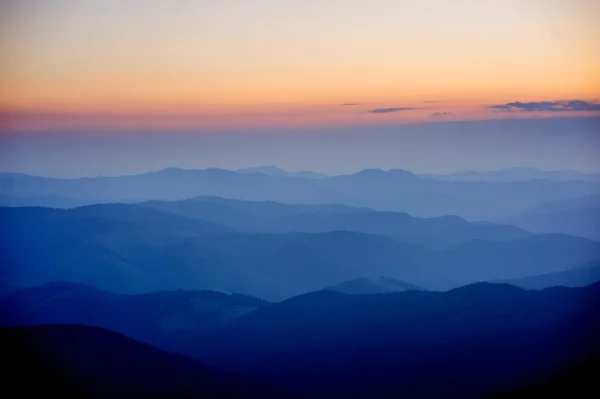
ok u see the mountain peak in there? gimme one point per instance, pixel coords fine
(377, 173)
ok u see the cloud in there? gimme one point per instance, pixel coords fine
(388, 110)
(551, 106)
(579, 105)
(442, 114)
(350, 104)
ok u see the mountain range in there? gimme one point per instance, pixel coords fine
(389, 345)
(586, 274)
(266, 283)
(168, 319)
(269, 217)
(578, 216)
(329, 344)
(272, 170)
(393, 190)
(132, 249)
(515, 174)
(381, 285)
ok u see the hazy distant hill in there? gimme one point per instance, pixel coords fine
(115, 255)
(50, 201)
(576, 216)
(393, 190)
(125, 248)
(169, 319)
(515, 174)
(579, 222)
(586, 202)
(526, 257)
(118, 247)
(268, 216)
(381, 285)
(72, 361)
(246, 214)
(126, 215)
(586, 274)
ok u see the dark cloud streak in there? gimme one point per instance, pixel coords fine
(549, 106)
(389, 110)
(442, 114)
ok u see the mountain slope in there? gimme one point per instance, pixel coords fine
(168, 319)
(414, 344)
(587, 202)
(486, 260)
(516, 174)
(578, 277)
(119, 257)
(576, 216)
(6, 289)
(276, 217)
(381, 285)
(579, 222)
(49, 201)
(125, 255)
(78, 361)
(118, 247)
(121, 214)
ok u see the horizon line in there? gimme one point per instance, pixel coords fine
(327, 175)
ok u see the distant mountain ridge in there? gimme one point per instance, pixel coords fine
(272, 170)
(168, 319)
(393, 190)
(49, 201)
(586, 274)
(576, 216)
(515, 174)
(381, 285)
(269, 216)
(130, 249)
(586, 202)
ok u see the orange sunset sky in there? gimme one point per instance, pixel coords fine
(236, 63)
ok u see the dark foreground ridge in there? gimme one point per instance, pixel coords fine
(471, 342)
(80, 361)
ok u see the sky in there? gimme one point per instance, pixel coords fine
(116, 69)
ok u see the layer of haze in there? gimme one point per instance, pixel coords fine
(547, 144)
